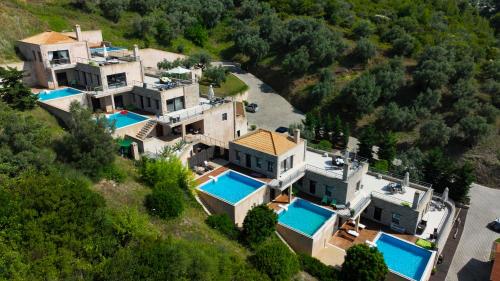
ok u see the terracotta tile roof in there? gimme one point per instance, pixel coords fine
(495, 271)
(267, 142)
(48, 37)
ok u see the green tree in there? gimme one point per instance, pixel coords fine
(387, 147)
(435, 133)
(276, 260)
(197, 34)
(259, 224)
(346, 132)
(404, 45)
(472, 129)
(297, 62)
(434, 68)
(361, 94)
(390, 77)
(437, 169)
(367, 140)
(113, 9)
(13, 91)
(223, 224)
(393, 117)
(89, 145)
(165, 201)
(462, 180)
(363, 263)
(364, 50)
(216, 75)
(363, 28)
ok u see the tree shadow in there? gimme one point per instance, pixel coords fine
(475, 270)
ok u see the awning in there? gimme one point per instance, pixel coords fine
(178, 70)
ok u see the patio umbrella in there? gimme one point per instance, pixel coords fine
(211, 93)
(178, 70)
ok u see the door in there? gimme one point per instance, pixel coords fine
(118, 101)
(159, 130)
(377, 214)
(96, 104)
(248, 160)
(62, 79)
(142, 102)
(273, 194)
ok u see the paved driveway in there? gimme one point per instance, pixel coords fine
(274, 110)
(471, 260)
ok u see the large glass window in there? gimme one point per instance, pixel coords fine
(117, 80)
(312, 187)
(270, 166)
(175, 104)
(59, 57)
(396, 218)
(237, 154)
(329, 191)
(258, 162)
(287, 164)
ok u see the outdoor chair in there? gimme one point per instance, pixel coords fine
(334, 203)
(325, 200)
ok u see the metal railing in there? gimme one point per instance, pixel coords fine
(172, 118)
(207, 140)
(175, 83)
(398, 177)
(295, 173)
(327, 173)
(361, 204)
(57, 62)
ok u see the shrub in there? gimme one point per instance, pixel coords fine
(197, 34)
(164, 170)
(325, 145)
(216, 75)
(114, 173)
(363, 263)
(381, 165)
(223, 224)
(165, 203)
(317, 269)
(259, 224)
(276, 260)
(13, 91)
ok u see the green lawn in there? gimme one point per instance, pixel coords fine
(231, 87)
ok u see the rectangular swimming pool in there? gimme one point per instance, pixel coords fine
(403, 257)
(231, 187)
(125, 118)
(304, 216)
(59, 93)
(94, 51)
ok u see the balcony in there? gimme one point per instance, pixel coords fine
(59, 62)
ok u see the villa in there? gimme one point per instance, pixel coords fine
(151, 110)
(325, 202)
(321, 198)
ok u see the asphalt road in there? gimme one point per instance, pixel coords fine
(471, 260)
(274, 110)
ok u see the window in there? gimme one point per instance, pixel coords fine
(157, 103)
(175, 104)
(270, 166)
(329, 191)
(396, 218)
(258, 162)
(34, 56)
(117, 80)
(238, 133)
(312, 187)
(58, 57)
(287, 164)
(238, 159)
(149, 101)
(133, 97)
(224, 116)
(39, 56)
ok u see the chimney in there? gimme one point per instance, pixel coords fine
(78, 32)
(416, 198)
(406, 181)
(136, 52)
(345, 171)
(296, 135)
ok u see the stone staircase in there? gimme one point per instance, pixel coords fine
(146, 129)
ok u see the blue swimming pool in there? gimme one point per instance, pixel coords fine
(231, 186)
(403, 257)
(304, 216)
(54, 94)
(101, 50)
(122, 119)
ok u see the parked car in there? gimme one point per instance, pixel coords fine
(495, 225)
(253, 107)
(281, 130)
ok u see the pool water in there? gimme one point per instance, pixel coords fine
(231, 186)
(125, 119)
(101, 50)
(403, 257)
(54, 94)
(304, 216)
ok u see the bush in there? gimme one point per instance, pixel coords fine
(276, 260)
(216, 75)
(163, 170)
(197, 34)
(165, 203)
(223, 224)
(324, 145)
(13, 91)
(363, 263)
(317, 269)
(381, 166)
(259, 224)
(114, 173)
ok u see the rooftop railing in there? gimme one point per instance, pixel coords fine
(293, 175)
(390, 198)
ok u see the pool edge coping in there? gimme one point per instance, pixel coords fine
(427, 268)
(224, 200)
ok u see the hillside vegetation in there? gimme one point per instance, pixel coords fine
(422, 73)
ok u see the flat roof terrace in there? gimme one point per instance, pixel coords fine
(317, 162)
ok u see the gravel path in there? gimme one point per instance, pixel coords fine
(274, 110)
(471, 260)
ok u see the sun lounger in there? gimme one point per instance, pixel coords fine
(324, 200)
(353, 233)
(370, 244)
(360, 225)
(334, 203)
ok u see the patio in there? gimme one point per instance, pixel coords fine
(344, 240)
